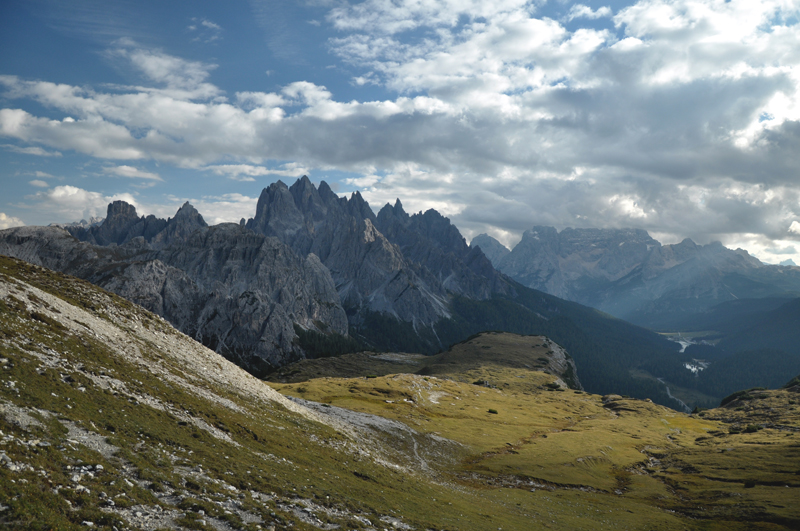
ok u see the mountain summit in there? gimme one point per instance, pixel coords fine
(396, 264)
(630, 275)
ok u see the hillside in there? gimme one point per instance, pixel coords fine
(466, 361)
(111, 418)
(748, 343)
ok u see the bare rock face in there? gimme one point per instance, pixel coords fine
(628, 274)
(235, 291)
(186, 221)
(565, 264)
(121, 225)
(493, 249)
(370, 272)
(430, 240)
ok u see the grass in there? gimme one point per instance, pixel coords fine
(631, 454)
(546, 458)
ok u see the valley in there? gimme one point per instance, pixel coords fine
(111, 418)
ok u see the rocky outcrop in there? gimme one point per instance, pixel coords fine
(392, 263)
(308, 257)
(179, 228)
(492, 249)
(121, 225)
(370, 272)
(235, 291)
(429, 239)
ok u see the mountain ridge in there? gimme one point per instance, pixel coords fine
(630, 275)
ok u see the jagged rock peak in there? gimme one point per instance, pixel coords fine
(326, 193)
(359, 207)
(121, 210)
(491, 247)
(389, 214)
(188, 211)
(307, 199)
(439, 229)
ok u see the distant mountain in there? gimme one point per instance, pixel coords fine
(429, 239)
(82, 223)
(630, 275)
(370, 273)
(122, 225)
(493, 249)
(572, 264)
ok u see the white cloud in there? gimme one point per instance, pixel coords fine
(383, 17)
(795, 227)
(584, 11)
(205, 30)
(7, 222)
(247, 172)
(38, 184)
(131, 173)
(226, 208)
(30, 151)
(70, 203)
(685, 120)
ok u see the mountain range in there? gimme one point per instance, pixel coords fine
(312, 273)
(630, 275)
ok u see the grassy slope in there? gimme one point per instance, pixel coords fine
(576, 449)
(468, 357)
(179, 430)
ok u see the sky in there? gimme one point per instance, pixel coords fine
(681, 117)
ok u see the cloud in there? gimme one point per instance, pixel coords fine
(38, 184)
(382, 17)
(30, 151)
(684, 118)
(584, 11)
(795, 227)
(70, 203)
(205, 30)
(782, 250)
(226, 208)
(247, 172)
(131, 173)
(7, 222)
